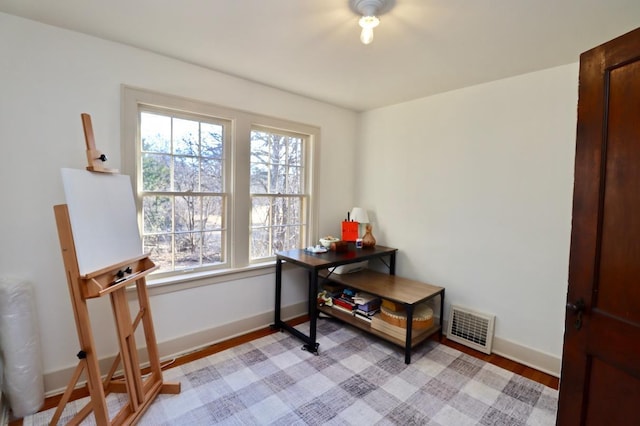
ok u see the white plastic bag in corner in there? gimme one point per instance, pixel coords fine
(20, 347)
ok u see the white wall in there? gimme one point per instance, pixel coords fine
(48, 77)
(475, 188)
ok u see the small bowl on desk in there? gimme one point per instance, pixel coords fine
(327, 241)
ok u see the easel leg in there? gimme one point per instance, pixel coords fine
(81, 313)
(149, 332)
(128, 348)
(67, 393)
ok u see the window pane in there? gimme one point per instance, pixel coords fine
(186, 174)
(260, 144)
(277, 148)
(285, 238)
(294, 238)
(212, 248)
(188, 250)
(155, 132)
(276, 164)
(186, 137)
(295, 212)
(260, 244)
(260, 211)
(285, 211)
(212, 180)
(212, 208)
(195, 249)
(211, 140)
(259, 178)
(294, 181)
(260, 160)
(160, 248)
(278, 184)
(187, 214)
(275, 225)
(156, 172)
(295, 152)
(157, 214)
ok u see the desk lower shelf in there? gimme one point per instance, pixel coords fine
(404, 291)
(366, 326)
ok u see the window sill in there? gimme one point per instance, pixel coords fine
(198, 279)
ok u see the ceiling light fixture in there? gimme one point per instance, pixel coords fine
(370, 10)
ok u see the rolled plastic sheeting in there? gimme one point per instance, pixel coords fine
(20, 348)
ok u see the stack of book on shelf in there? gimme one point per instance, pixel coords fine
(344, 302)
(392, 319)
(359, 304)
(367, 305)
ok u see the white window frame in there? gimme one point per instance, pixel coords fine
(238, 173)
(227, 131)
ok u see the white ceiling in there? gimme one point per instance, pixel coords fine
(312, 47)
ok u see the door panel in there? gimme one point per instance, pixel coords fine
(600, 379)
(623, 395)
(618, 287)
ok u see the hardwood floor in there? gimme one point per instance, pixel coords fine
(497, 360)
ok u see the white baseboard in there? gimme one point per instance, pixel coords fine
(530, 357)
(57, 381)
(541, 361)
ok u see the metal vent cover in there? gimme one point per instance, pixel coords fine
(471, 328)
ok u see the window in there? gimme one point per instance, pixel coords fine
(182, 189)
(278, 192)
(218, 191)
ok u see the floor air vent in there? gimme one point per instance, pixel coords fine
(471, 328)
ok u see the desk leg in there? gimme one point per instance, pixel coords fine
(312, 346)
(310, 341)
(392, 263)
(407, 344)
(441, 313)
(277, 319)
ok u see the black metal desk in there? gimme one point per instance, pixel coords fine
(314, 263)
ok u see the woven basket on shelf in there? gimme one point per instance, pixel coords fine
(422, 316)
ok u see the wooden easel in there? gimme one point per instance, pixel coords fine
(111, 281)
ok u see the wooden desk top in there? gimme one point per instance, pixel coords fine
(318, 261)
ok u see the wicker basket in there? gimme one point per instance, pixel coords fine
(392, 306)
(422, 316)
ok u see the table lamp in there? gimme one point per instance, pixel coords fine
(358, 214)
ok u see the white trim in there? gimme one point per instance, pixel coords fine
(56, 381)
(524, 355)
(156, 286)
(533, 358)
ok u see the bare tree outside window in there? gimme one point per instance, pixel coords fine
(218, 191)
(183, 190)
(278, 192)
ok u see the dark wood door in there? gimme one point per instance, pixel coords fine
(600, 379)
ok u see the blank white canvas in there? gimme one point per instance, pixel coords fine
(103, 218)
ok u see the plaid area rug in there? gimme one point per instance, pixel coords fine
(356, 379)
